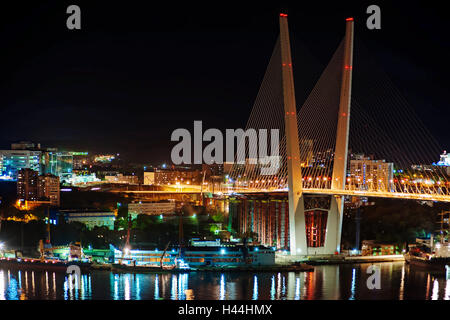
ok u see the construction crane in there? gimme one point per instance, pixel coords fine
(162, 257)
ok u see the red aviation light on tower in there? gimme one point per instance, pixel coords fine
(283, 15)
(349, 19)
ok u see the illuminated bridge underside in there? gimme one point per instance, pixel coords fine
(356, 193)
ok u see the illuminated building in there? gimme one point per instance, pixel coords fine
(80, 160)
(15, 160)
(91, 218)
(150, 208)
(165, 177)
(59, 163)
(149, 178)
(120, 178)
(48, 187)
(306, 152)
(445, 160)
(107, 158)
(25, 145)
(213, 169)
(83, 178)
(27, 185)
(373, 175)
(1, 167)
(264, 217)
(227, 167)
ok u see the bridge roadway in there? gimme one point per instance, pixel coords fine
(355, 193)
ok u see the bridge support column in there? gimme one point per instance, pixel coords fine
(297, 228)
(334, 225)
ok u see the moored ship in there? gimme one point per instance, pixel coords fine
(46, 262)
(55, 265)
(434, 258)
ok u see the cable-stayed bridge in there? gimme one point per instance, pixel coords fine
(355, 135)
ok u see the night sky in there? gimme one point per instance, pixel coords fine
(136, 72)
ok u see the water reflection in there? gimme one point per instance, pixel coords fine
(398, 281)
(352, 297)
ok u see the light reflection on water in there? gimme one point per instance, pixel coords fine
(398, 281)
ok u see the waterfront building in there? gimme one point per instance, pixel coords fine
(91, 218)
(48, 187)
(372, 248)
(151, 208)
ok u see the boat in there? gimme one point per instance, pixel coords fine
(46, 262)
(53, 265)
(132, 268)
(432, 263)
(430, 255)
(435, 257)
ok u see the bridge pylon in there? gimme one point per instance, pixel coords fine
(297, 221)
(335, 215)
(297, 230)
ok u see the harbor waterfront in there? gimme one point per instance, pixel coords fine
(398, 281)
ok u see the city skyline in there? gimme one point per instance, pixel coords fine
(85, 91)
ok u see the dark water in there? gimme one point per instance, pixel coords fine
(398, 281)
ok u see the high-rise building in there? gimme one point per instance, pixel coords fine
(372, 175)
(15, 160)
(27, 185)
(59, 163)
(48, 188)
